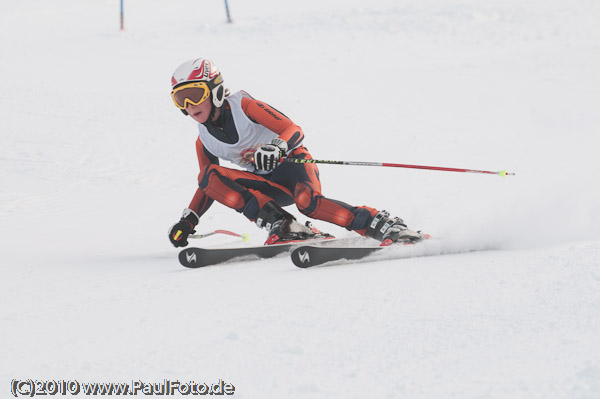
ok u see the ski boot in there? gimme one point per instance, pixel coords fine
(391, 230)
(284, 228)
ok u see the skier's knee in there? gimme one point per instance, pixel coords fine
(218, 187)
(305, 199)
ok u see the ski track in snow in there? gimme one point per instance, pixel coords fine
(97, 164)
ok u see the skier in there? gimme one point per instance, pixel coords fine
(255, 136)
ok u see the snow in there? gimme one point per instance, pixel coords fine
(97, 163)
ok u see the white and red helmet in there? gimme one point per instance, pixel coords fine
(201, 70)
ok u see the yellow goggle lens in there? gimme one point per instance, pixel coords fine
(192, 93)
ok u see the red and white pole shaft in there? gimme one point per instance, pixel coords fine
(502, 173)
(244, 237)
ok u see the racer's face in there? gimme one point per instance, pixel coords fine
(200, 112)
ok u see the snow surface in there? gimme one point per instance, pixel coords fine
(97, 163)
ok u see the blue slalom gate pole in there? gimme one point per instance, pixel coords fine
(227, 11)
(122, 18)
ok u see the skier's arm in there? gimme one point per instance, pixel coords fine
(181, 230)
(262, 113)
(200, 203)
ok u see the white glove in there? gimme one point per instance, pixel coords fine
(267, 156)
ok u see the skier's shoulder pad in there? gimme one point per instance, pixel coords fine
(238, 95)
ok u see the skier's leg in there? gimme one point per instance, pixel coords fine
(243, 191)
(364, 220)
(259, 199)
(303, 180)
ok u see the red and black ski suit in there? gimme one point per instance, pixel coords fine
(248, 191)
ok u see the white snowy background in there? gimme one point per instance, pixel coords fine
(97, 163)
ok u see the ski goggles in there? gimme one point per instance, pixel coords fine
(193, 93)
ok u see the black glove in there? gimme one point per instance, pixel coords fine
(267, 156)
(180, 231)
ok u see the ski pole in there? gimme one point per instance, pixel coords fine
(502, 173)
(244, 237)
